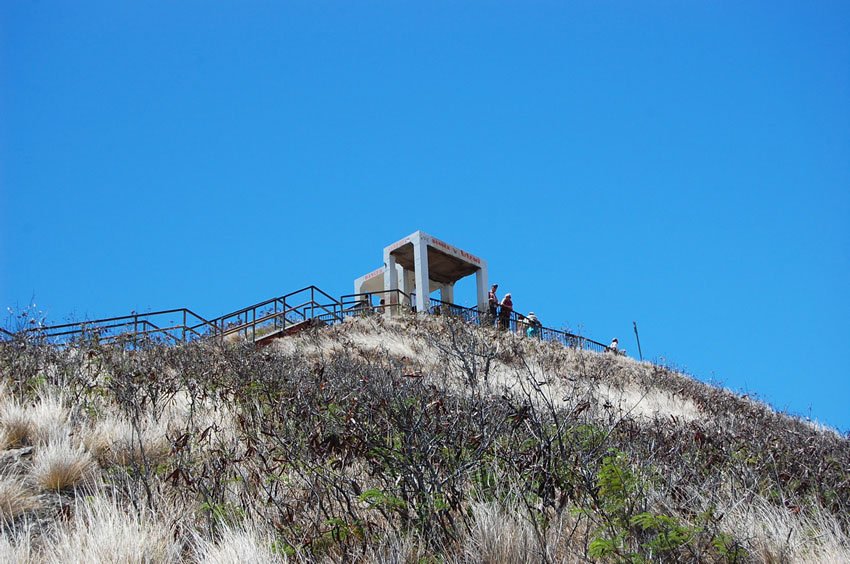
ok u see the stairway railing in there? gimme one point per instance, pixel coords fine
(278, 314)
(273, 316)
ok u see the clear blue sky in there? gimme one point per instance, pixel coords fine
(682, 164)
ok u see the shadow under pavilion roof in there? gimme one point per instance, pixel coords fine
(442, 268)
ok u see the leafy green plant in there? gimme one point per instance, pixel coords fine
(376, 498)
(665, 533)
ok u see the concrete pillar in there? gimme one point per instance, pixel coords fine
(390, 280)
(447, 293)
(408, 283)
(420, 267)
(481, 288)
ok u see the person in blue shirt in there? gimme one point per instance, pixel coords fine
(534, 325)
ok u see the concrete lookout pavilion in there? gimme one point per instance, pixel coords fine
(422, 261)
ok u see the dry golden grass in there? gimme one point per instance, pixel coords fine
(16, 428)
(40, 423)
(60, 466)
(504, 532)
(15, 498)
(499, 536)
(113, 441)
(50, 419)
(778, 534)
(16, 546)
(246, 544)
(630, 392)
(104, 531)
(398, 550)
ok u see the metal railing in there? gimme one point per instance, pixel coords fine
(171, 325)
(516, 323)
(519, 323)
(570, 340)
(470, 314)
(367, 303)
(183, 325)
(276, 315)
(280, 315)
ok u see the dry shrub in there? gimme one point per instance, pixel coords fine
(61, 466)
(15, 498)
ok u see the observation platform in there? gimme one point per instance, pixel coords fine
(421, 261)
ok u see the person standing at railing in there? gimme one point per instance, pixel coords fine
(493, 303)
(534, 325)
(506, 308)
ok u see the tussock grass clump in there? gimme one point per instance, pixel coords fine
(245, 544)
(394, 549)
(60, 466)
(500, 535)
(104, 531)
(779, 534)
(16, 428)
(43, 421)
(15, 498)
(50, 419)
(112, 440)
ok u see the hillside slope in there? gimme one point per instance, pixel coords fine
(397, 441)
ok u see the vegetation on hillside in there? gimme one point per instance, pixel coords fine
(408, 440)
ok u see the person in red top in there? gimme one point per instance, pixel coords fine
(505, 310)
